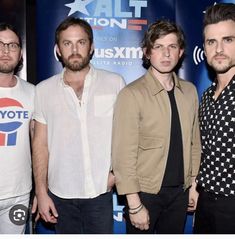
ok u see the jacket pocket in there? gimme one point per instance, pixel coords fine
(150, 154)
(147, 143)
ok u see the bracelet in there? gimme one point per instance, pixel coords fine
(135, 208)
(138, 210)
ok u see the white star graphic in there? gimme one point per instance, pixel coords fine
(79, 6)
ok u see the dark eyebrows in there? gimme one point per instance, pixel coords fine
(226, 37)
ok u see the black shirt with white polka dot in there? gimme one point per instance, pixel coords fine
(217, 125)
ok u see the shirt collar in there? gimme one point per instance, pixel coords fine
(230, 86)
(89, 76)
(155, 85)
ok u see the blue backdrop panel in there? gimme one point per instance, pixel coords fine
(118, 27)
(189, 14)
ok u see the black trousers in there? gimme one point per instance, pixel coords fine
(84, 216)
(215, 214)
(167, 211)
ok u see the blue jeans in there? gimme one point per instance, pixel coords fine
(84, 216)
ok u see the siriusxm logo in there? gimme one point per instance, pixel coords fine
(198, 55)
(115, 53)
(119, 52)
(11, 115)
(110, 13)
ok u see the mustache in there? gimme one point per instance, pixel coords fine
(220, 54)
(76, 55)
(5, 58)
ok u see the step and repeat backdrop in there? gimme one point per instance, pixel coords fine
(119, 27)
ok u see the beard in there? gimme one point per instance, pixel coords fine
(222, 67)
(7, 67)
(76, 62)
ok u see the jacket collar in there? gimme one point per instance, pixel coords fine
(155, 85)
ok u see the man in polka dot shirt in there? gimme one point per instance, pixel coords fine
(215, 211)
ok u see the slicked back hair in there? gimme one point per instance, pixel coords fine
(218, 13)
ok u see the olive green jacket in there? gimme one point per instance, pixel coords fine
(141, 134)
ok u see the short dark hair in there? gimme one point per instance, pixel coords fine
(5, 26)
(219, 12)
(72, 21)
(157, 30)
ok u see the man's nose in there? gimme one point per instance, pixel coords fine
(5, 49)
(219, 47)
(166, 51)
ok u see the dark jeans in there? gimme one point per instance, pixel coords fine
(215, 214)
(167, 211)
(84, 216)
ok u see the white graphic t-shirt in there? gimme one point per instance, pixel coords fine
(16, 108)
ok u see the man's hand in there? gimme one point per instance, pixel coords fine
(139, 215)
(140, 220)
(46, 208)
(193, 197)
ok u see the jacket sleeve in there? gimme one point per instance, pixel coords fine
(125, 139)
(196, 142)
